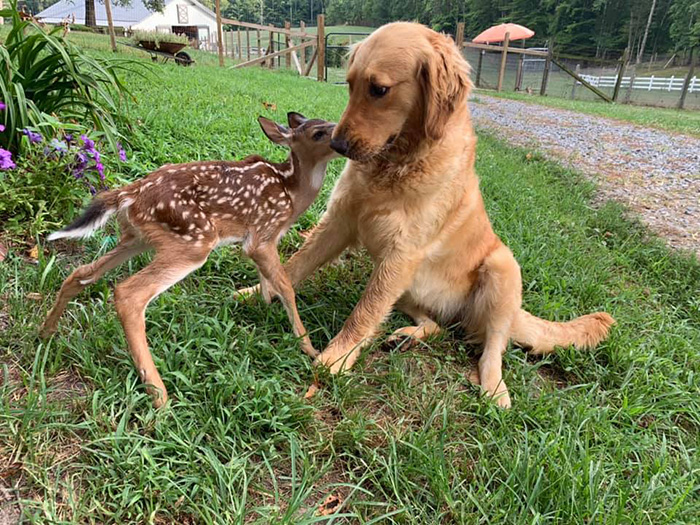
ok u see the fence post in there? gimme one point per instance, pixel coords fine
(620, 74)
(288, 56)
(219, 33)
(670, 82)
(271, 48)
(110, 23)
(238, 38)
(547, 66)
(519, 73)
(686, 83)
(504, 59)
(257, 41)
(633, 77)
(321, 46)
(651, 82)
(478, 67)
(573, 89)
(302, 53)
(247, 43)
(459, 37)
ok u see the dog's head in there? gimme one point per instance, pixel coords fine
(405, 82)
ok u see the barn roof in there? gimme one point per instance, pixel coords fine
(123, 16)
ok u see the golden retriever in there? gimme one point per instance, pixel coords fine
(410, 196)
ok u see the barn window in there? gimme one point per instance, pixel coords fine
(182, 14)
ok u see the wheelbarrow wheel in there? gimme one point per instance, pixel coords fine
(183, 59)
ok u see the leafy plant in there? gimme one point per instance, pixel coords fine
(42, 74)
(158, 38)
(57, 168)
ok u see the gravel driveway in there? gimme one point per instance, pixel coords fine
(655, 173)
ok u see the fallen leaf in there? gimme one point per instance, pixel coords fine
(330, 505)
(34, 296)
(528, 156)
(3, 252)
(270, 106)
(34, 252)
(311, 391)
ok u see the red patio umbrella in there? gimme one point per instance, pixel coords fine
(498, 33)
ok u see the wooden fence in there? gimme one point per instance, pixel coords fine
(285, 43)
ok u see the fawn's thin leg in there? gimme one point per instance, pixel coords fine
(268, 261)
(133, 295)
(128, 247)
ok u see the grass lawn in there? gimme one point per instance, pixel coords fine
(609, 435)
(685, 121)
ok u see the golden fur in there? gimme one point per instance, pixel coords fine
(410, 196)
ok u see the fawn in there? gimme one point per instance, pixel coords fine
(184, 211)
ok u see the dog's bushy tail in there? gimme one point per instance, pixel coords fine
(93, 218)
(541, 336)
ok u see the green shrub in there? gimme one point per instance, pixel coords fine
(53, 177)
(41, 74)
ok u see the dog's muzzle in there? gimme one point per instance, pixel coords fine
(340, 145)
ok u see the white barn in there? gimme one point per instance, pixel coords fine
(188, 17)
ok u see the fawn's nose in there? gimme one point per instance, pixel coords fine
(340, 145)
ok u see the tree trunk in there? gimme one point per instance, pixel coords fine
(90, 19)
(640, 55)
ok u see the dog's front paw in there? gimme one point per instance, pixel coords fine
(246, 293)
(336, 358)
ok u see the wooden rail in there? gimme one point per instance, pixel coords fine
(250, 25)
(499, 49)
(275, 54)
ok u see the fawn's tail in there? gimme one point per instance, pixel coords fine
(94, 217)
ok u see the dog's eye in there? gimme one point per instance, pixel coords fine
(378, 91)
(319, 135)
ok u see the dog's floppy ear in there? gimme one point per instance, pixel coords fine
(275, 132)
(446, 83)
(353, 51)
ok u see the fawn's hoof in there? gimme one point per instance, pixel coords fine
(47, 330)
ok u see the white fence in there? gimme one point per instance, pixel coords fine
(651, 83)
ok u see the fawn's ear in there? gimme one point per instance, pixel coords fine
(276, 133)
(295, 119)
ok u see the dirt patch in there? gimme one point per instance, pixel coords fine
(10, 510)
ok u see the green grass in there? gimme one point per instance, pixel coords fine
(687, 122)
(602, 436)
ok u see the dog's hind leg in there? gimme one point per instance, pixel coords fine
(425, 327)
(494, 302)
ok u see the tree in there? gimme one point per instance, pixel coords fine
(640, 55)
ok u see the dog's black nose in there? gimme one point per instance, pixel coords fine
(340, 145)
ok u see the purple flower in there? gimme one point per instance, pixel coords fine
(81, 159)
(6, 160)
(100, 169)
(122, 153)
(58, 146)
(33, 136)
(88, 143)
(68, 137)
(2, 105)
(2, 128)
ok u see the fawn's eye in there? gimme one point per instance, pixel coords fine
(319, 135)
(378, 91)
